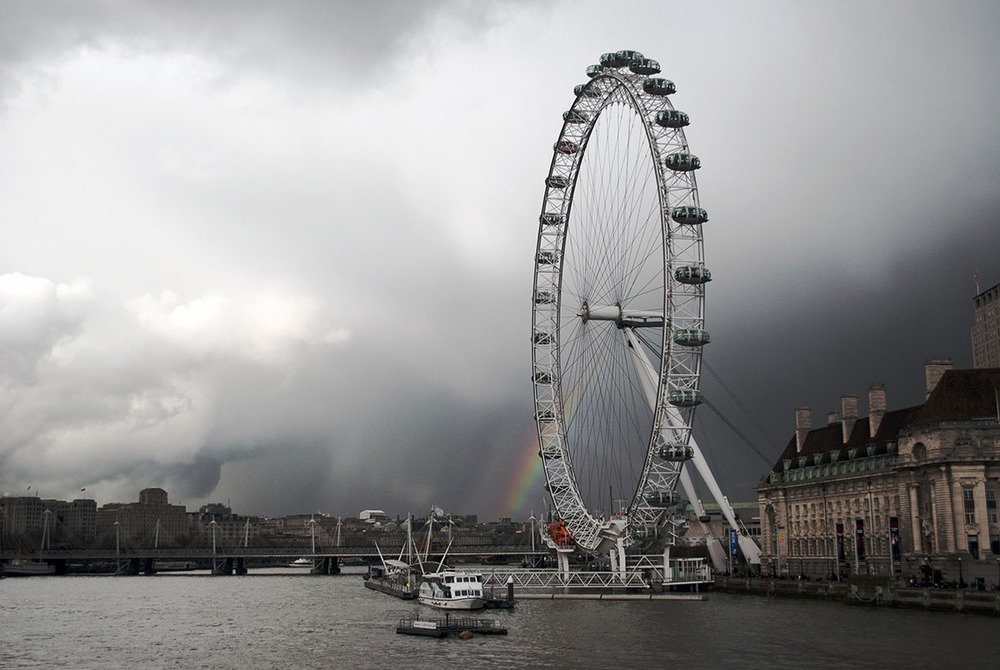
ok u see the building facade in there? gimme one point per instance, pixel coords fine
(986, 329)
(910, 491)
(151, 522)
(29, 522)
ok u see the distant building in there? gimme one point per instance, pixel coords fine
(23, 523)
(986, 329)
(152, 521)
(903, 491)
(373, 516)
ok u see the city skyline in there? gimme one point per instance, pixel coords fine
(281, 256)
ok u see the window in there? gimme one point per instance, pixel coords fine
(969, 504)
(973, 541)
(991, 505)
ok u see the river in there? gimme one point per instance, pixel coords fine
(273, 620)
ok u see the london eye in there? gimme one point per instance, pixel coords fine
(618, 318)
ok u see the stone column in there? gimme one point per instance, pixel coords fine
(953, 509)
(914, 513)
(979, 496)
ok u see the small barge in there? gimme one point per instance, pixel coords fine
(449, 625)
(395, 579)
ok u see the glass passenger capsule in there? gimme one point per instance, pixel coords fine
(557, 181)
(672, 118)
(644, 66)
(693, 274)
(691, 337)
(544, 297)
(609, 59)
(545, 415)
(569, 147)
(547, 257)
(658, 86)
(552, 219)
(682, 162)
(542, 337)
(676, 453)
(575, 116)
(586, 91)
(593, 70)
(685, 397)
(644, 532)
(663, 498)
(541, 377)
(626, 56)
(688, 215)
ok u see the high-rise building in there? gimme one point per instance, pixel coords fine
(986, 329)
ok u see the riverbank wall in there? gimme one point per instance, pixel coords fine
(871, 591)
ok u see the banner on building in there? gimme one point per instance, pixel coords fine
(894, 538)
(859, 539)
(840, 543)
(734, 547)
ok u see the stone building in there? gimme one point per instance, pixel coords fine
(152, 521)
(23, 522)
(910, 491)
(986, 329)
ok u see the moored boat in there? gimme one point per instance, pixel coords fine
(396, 578)
(452, 590)
(24, 568)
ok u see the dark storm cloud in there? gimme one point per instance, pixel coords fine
(317, 41)
(305, 231)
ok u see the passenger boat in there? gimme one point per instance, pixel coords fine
(24, 568)
(302, 562)
(452, 590)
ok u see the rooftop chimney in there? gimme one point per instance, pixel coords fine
(876, 408)
(803, 424)
(934, 369)
(849, 410)
(832, 418)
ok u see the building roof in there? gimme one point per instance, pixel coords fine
(960, 395)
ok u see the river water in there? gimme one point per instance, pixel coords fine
(272, 620)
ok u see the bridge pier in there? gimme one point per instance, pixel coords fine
(129, 566)
(326, 565)
(222, 566)
(241, 565)
(148, 566)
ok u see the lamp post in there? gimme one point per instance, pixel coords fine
(998, 573)
(961, 579)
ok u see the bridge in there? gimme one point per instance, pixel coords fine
(236, 560)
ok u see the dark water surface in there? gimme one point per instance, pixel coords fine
(300, 621)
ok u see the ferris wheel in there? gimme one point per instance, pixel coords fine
(619, 306)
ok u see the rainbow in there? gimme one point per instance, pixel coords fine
(527, 482)
(529, 475)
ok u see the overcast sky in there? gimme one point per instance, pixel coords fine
(280, 254)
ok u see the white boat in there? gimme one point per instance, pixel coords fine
(22, 568)
(452, 590)
(301, 563)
